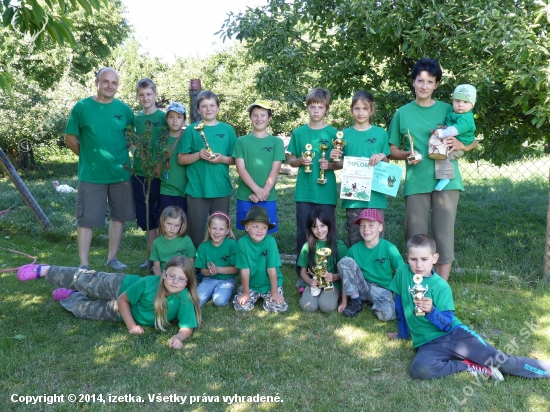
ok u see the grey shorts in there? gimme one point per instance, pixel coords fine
(92, 198)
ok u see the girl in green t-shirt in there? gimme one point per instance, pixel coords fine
(138, 301)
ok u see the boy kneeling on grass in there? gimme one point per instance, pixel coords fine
(367, 270)
(259, 261)
(446, 346)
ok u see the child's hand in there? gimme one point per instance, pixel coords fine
(392, 335)
(217, 159)
(277, 298)
(136, 330)
(175, 342)
(312, 283)
(261, 194)
(253, 198)
(243, 299)
(376, 158)
(212, 268)
(418, 158)
(329, 277)
(424, 304)
(335, 154)
(343, 305)
(204, 154)
(323, 164)
(306, 161)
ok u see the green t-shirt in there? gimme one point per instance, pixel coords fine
(158, 121)
(465, 124)
(420, 121)
(365, 144)
(307, 189)
(103, 148)
(258, 257)
(207, 180)
(141, 292)
(422, 330)
(377, 264)
(303, 259)
(177, 174)
(222, 256)
(259, 155)
(164, 249)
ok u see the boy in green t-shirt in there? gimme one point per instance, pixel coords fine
(259, 261)
(367, 270)
(444, 345)
(146, 94)
(258, 157)
(208, 185)
(305, 154)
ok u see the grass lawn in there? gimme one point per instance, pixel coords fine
(310, 362)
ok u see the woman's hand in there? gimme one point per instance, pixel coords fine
(454, 144)
(418, 158)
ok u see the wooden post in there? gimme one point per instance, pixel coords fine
(23, 191)
(546, 269)
(195, 88)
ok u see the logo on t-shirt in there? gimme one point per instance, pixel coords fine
(118, 116)
(155, 123)
(181, 252)
(264, 253)
(381, 260)
(372, 140)
(225, 258)
(220, 135)
(324, 141)
(267, 148)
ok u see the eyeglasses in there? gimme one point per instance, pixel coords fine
(173, 277)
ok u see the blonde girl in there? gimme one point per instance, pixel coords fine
(138, 301)
(172, 240)
(216, 260)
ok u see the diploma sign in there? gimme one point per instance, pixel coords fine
(356, 179)
(386, 178)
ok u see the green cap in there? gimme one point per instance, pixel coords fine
(465, 92)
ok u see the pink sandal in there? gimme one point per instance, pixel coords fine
(29, 272)
(62, 293)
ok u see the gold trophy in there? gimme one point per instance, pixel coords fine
(322, 179)
(199, 128)
(338, 143)
(320, 268)
(413, 156)
(308, 154)
(418, 291)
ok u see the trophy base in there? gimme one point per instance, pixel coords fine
(315, 291)
(437, 156)
(412, 158)
(321, 181)
(329, 288)
(420, 313)
(306, 170)
(336, 160)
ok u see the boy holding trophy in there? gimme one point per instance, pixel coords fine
(445, 346)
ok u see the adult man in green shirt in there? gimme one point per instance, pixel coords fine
(95, 133)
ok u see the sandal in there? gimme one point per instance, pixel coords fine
(62, 293)
(29, 272)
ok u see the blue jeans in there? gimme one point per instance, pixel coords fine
(220, 290)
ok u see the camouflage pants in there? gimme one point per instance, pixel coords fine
(254, 296)
(354, 283)
(354, 236)
(89, 283)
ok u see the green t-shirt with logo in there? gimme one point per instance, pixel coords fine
(103, 148)
(207, 180)
(420, 121)
(377, 264)
(141, 292)
(258, 257)
(259, 155)
(176, 182)
(303, 259)
(421, 329)
(158, 121)
(222, 256)
(164, 249)
(365, 144)
(307, 189)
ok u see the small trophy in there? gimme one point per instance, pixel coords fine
(308, 154)
(322, 179)
(200, 128)
(418, 291)
(413, 156)
(338, 143)
(320, 268)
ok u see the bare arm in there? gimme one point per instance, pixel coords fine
(275, 296)
(72, 142)
(176, 342)
(125, 312)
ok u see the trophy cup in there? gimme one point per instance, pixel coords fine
(319, 270)
(338, 143)
(199, 128)
(322, 179)
(413, 156)
(418, 291)
(308, 154)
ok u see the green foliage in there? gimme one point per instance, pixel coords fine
(501, 47)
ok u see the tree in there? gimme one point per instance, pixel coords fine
(500, 46)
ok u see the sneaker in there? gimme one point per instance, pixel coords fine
(116, 264)
(489, 371)
(353, 308)
(147, 265)
(62, 293)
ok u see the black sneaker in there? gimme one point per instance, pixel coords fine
(353, 308)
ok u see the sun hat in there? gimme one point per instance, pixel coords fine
(370, 214)
(176, 107)
(465, 92)
(257, 214)
(259, 103)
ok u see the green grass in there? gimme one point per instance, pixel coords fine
(313, 361)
